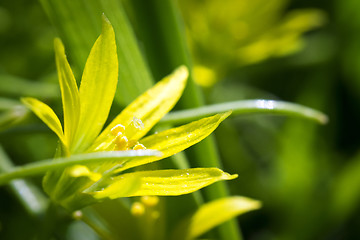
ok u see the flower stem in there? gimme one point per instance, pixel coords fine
(36, 168)
(28, 194)
(258, 106)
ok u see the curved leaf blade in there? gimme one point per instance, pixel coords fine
(257, 106)
(40, 167)
(203, 219)
(161, 182)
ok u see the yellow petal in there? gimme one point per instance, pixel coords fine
(175, 140)
(151, 106)
(203, 219)
(69, 92)
(97, 87)
(47, 115)
(162, 182)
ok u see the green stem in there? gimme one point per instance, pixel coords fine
(58, 163)
(258, 106)
(163, 35)
(28, 194)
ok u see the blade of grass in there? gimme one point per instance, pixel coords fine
(258, 106)
(36, 168)
(79, 23)
(16, 86)
(166, 49)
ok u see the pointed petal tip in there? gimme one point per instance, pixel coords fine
(226, 114)
(256, 204)
(324, 119)
(248, 203)
(58, 45)
(183, 70)
(229, 176)
(104, 18)
(181, 73)
(105, 22)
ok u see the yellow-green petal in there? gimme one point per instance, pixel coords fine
(162, 182)
(47, 115)
(151, 106)
(175, 140)
(203, 219)
(69, 92)
(97, 88)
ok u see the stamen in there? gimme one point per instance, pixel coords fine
(117, 129)
(121, 143)
(139, 146)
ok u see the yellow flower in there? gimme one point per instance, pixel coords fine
(85, 112)
(228, 34)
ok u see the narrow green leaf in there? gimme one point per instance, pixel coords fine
(47, 115)
(204, 218)
(37, 168)
(69, 92)
(31, 197)
(151, 106)
(98, 86)
(162, 182)
(8, 103)
(345, 194)
(259, 106)
(175, 140)
(172, 51)
(16, 86)
(12, 116)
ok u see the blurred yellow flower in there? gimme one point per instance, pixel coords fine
(231, 33)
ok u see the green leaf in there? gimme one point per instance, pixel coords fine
(16, 86)
(78, 29)
(40, 167)
(30, 196)
(47, 115)
(345, 194)
(175, 140)
(258, 106)
(69, 92)
(97, 89)
(13, 115)
(161, 182)
(8, 103)
(213, 214)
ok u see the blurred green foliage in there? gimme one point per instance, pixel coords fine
(306, 175)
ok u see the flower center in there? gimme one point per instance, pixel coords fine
(124, 135)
